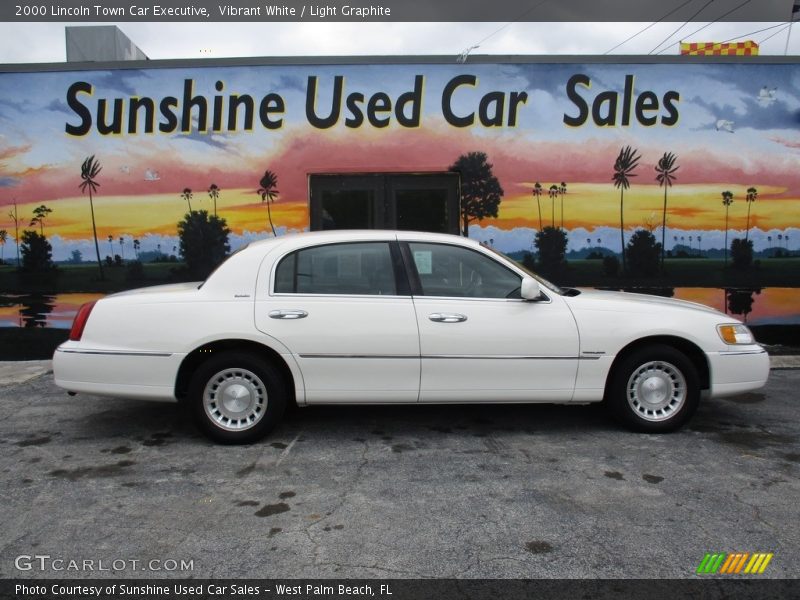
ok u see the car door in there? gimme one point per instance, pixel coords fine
(345, 312)
(479, 340)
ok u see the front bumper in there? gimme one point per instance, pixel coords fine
(738, 371)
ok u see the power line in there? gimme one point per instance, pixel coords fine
(785, 27)
(719, 18)
(782, 25)
(734, 9)
(463, 56)
(795, 8)
(648, 27)
(682, 26)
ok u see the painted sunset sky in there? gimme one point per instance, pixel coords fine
(737, 126)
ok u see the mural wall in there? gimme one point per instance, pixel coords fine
(158, 131)
(730, 134)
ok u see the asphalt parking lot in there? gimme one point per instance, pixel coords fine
(421, 491)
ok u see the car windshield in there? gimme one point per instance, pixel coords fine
(550, 286)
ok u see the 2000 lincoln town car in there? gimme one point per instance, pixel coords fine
(399, 317)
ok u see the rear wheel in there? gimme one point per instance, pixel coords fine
(237, 398)
(655, 389)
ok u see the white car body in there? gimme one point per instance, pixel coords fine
(385, 348)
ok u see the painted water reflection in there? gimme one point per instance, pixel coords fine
(37, 310)
(756, 306)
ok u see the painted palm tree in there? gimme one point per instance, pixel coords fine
(213, 193)
(136, 246)
(553, 195)
(111, 245)
(562, 190)
(752, 195)
(626, 163)
(90, 169)
(186, 194)
(537, 192)
(122, 247)
(13, 215)
(3, 240)
(727, 200)
(268, 194)
(39, 215)
(665, 168)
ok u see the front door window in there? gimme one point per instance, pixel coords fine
(455, 272)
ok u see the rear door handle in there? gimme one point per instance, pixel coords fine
(288, 314)
(447, 317)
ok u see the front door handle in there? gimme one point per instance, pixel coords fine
(447, 317)
(287, 314)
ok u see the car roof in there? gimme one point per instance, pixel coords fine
(344, 235)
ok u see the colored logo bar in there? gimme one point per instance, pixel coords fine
(736, 563)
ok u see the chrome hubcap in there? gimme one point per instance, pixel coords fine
(656, 390)
(235, 399)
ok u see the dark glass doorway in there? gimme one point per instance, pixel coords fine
(424, 202)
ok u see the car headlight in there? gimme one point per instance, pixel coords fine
(735, 333)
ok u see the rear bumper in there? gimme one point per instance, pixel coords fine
(139, 375)
(738, 371)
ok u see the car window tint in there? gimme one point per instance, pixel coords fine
(459, 272)
(358, 268)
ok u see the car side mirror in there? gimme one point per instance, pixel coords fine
(530, 289)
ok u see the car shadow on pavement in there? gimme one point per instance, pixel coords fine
(145, 421)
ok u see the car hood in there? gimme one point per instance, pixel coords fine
(630, 302)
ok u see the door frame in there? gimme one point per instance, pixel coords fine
(383, 185)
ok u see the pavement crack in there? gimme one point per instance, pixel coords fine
(341, 501)
(375, 567)
(756, 512)
(284, 455)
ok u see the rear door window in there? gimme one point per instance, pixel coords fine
(360, 268)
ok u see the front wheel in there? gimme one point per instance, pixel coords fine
(655, 389)
(237, 398)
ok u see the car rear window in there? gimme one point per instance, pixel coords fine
(359, 268)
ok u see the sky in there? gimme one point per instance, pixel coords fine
(44, 42)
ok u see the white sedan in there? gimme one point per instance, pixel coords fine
(383, 317)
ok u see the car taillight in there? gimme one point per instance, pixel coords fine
(79, 323)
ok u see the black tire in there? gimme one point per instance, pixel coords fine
(655, 389)
(255, 397)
